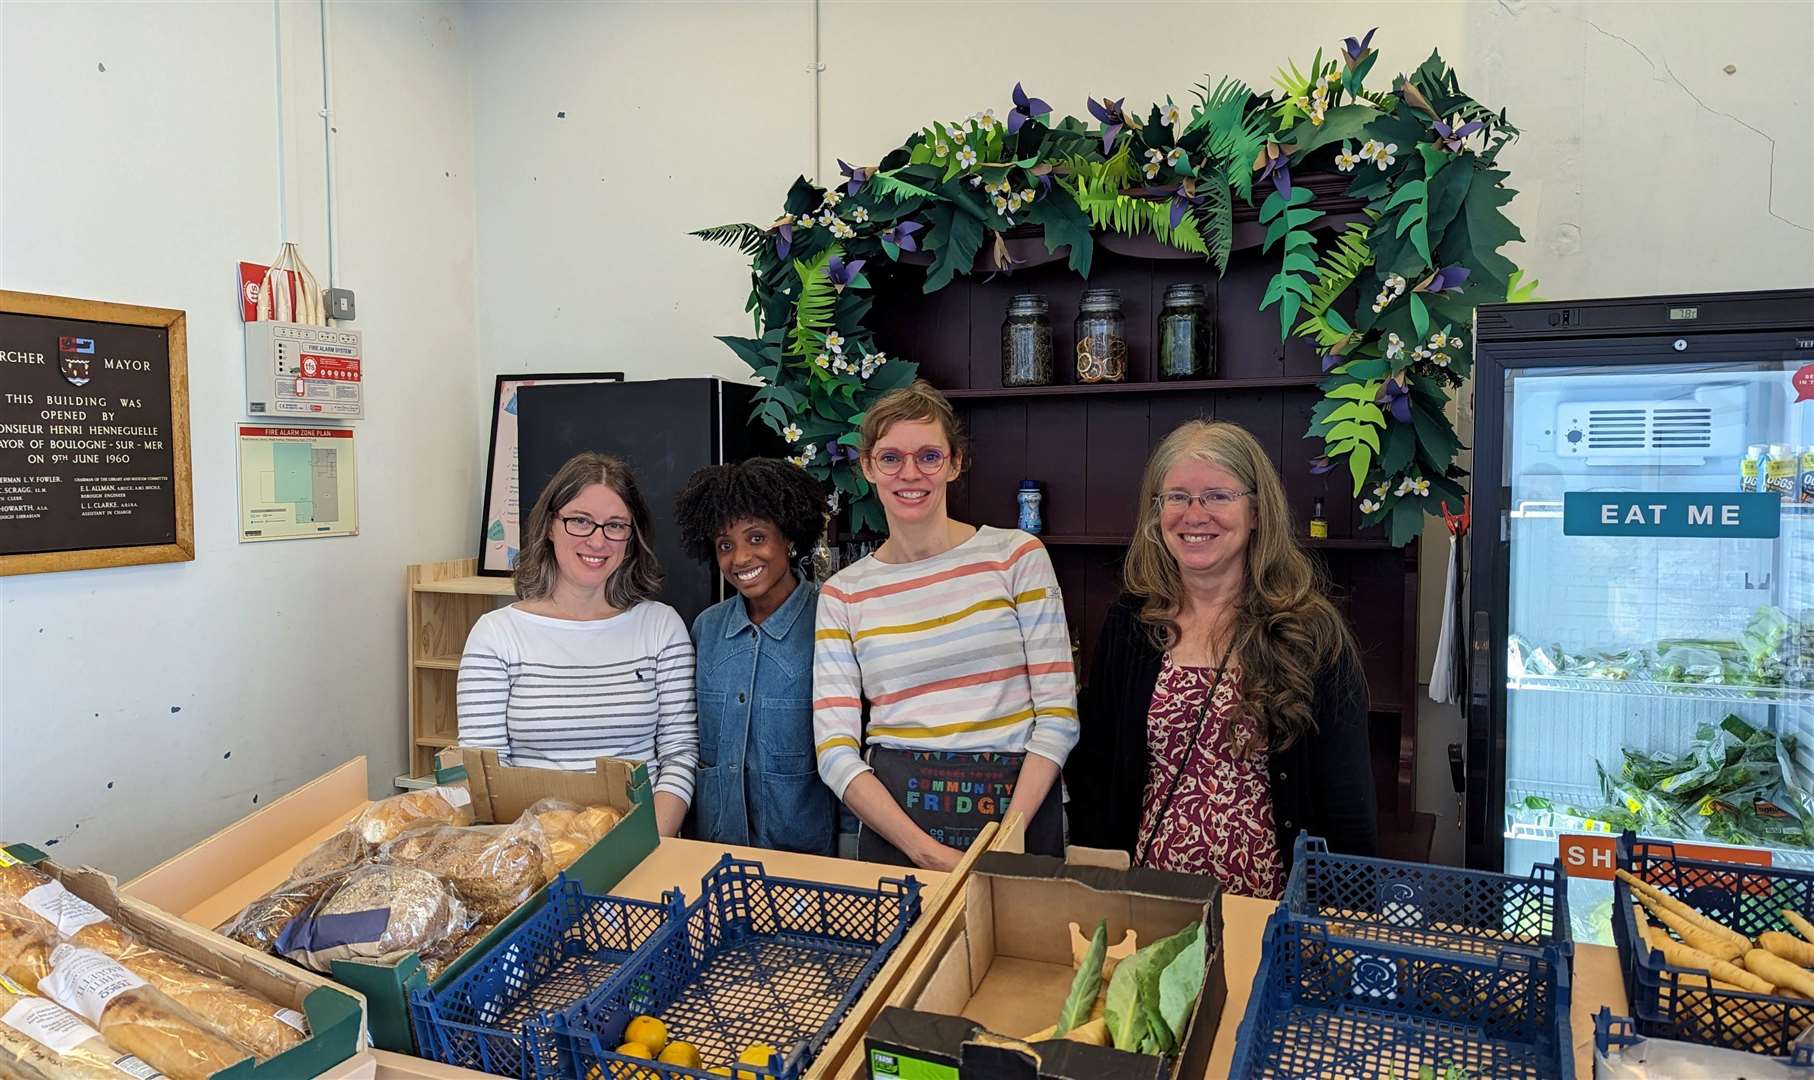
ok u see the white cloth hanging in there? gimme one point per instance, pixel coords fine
(1443, 684)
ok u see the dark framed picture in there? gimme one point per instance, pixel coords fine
(499, 531)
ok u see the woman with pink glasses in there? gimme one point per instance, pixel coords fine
(943, 690)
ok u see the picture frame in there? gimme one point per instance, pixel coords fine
(499, 536)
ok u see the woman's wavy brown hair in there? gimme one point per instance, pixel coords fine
(1286, 631)
(636, 579)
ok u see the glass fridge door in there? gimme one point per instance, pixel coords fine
(1660, 657)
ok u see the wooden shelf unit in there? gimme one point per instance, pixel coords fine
(1087, 444)
(444, 600)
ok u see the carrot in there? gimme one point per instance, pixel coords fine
(1787, 946)
(1801, 925)
(1684, 956)
(1646, 890)
(1712, 944)
(1767, 965)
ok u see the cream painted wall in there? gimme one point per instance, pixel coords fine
(143, 708)
(1645, 166)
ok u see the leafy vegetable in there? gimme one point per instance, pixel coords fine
(1149, 988)
(1181, 983)
(1086, 984)
(1122, 1008)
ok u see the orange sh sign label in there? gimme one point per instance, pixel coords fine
(1590, 855)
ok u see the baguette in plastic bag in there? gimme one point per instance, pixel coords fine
(41, 1040)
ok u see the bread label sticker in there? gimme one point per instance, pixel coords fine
(62, 909)
(133, 1067)
(84, 981)
(43, 1022)
(294, 1019)
(455, 796)
(6, 859)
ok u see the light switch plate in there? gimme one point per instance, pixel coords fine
(340, 305)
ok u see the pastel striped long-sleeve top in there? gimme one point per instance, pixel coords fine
(965, 651)
(557, 693)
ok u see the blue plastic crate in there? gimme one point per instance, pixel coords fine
(756, 959)
(1611, 1030)
(1677, 1003)
(1436, 907)
(1325, 1006)
(486, 1019)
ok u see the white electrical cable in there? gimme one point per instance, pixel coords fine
(327, 136)
(283, 203)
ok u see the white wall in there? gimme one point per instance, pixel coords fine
(146, 183)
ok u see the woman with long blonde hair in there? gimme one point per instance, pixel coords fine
(1226, 710)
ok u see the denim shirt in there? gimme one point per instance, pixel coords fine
(758, 782)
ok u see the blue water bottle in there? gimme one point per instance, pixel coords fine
(1030, 496)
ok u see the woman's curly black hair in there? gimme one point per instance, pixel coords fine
(766, 488)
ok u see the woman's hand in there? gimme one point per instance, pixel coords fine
(936, 856)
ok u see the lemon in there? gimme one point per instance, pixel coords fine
(621, 1071)
(681, 1053)
(719, 1070)
(648, 1031)
(753, 1054)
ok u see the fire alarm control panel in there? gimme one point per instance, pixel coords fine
(298, 370)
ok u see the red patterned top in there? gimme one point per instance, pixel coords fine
(1220, 820)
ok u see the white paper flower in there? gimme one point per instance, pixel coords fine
(876, 359)
(797, 461)
(1368, 506)
(939, 150)
(1437, 339)
(809, 451)
(976, 181)
(987, 116)
(1395, 346)
(1004, 187)
(966, 158)
(1014, 202)
(1420, 487)
(1396, 283)
(822, 360)
(1380, 489)
(1155, 154)
(859, 215)
(833, 197)
(834, 341)
(1176, 155)
(957, 133)
(1001, 205)
(839, 365)
(1347, 160)
(1368, 149)
(805, 222)
(1151, 169)
(1027, 196)
(1383, 156)
(842, 230)
(1455, 343)
(791, 433)
(831, 502)
(1171, 114)
(1442, 358)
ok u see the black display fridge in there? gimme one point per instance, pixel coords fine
(1640, 615)
(666, 429)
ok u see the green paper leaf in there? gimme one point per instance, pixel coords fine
(1065, 223)
(1436, 441)
(1335, 321)
(1288, 313)
(1300, 218)
(1274, 232)
(1359, 410)
(1446, 191)
(1340, 123)
(1354, 391)
(1300, 263)
(1352, 431)
(1396, 449)
(1420, 317)
(1372, 367)
(1412, 191)
(891, 185)
(964, 237)
(1406, 522)
(756, 353)
(1359, 459)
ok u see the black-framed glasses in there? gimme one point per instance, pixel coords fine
(583, 527)
(930, 459)
(1213, 499)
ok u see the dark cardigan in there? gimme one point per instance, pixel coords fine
(1321, 784)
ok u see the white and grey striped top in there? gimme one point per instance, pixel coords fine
(555, 694)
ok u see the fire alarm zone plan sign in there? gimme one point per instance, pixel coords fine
(303, 371)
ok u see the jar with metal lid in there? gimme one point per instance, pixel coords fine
(1101, 337)
(1186, 339)
(1026, 342)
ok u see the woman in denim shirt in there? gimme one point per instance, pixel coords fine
(758, 781)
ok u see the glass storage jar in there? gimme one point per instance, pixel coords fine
(1101, 337)
(1026, 342)
(1187, 348)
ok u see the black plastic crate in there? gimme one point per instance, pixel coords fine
(756, 959)
(490, 1017)
(1436, 907)
(1677, 1003)
(1324, 1005)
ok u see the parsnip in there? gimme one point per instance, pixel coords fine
(1787, 946)
(1684, 956)
(1693, 936)
(1767, 965)
(1646, 889)
(1801, 925)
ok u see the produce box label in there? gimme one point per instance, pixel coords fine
(1721, 515)
(1591, 855)
(894, 1066)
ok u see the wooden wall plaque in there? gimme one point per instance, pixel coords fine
(94, 435)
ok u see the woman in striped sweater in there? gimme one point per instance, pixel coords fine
(586, 663)
(955, 638)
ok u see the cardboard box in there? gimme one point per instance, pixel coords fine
(335, 1044)
(209, 883)
(999, 967)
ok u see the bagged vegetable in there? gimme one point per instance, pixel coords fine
(1763, 641)
(379, 912)
(1525, 659)
(494, 868)
(41, 1040)
(1689, 664)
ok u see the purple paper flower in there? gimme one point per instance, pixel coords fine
(1183, 200)
(1450, 139)
(1275, 164)
(1396, 397)
(842, 273)
(1112, 119)
(901, 235)
(1025, 108)
(1330, 360)
(857, 176)
(784, 240)
(1355, 51)
(837, 451)
(1448, 279)
(1319, 466)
